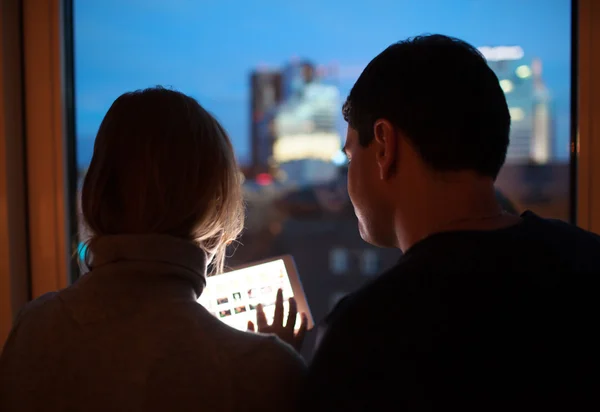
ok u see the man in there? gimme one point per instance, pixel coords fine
(485, 310)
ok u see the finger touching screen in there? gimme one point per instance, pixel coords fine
(233, 296)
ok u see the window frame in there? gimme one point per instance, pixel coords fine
(14, 268)
(50, 142)
(586, 127)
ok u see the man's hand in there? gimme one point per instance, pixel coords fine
(284, 332)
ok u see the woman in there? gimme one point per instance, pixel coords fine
(162, 199)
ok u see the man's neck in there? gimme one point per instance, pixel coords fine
(452, 207)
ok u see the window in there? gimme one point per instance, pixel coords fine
(369, 262)
(276, 74)
(338, 261)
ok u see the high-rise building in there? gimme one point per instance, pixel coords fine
(266, 95)
(542, 139)
(293, 76)
(294, 119)
(305, 172)
(531, 137)
(305, 123)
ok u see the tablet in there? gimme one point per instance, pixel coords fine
(232, 296)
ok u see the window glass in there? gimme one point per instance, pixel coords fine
(369, 262)
(276, 73)
(338, 261)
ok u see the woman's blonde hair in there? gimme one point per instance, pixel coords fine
(163, 165)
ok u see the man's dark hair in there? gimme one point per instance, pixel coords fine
(442, 94)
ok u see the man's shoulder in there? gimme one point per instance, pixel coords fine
(560, 228)
(368, 301)
(576, 248)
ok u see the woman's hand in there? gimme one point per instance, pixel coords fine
(284, 332)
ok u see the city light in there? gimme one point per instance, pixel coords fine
(541, 150)
(322, 146)
(502, 53)
(523, 71)
(264, 179)
(507, 85)
(339, 158)
(516, 114)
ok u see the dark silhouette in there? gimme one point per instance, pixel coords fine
(485, 310)
(162, 199)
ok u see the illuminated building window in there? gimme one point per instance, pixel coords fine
(338, 261)
(369, 262)
(523, 71)
(516, 114)
(507, 85)
(316, 145)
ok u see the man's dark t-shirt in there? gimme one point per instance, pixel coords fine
(469, 320)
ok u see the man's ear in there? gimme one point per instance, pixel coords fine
(386, 143)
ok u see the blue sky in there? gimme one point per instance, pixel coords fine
(207, 48)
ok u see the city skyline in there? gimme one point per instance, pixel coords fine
(118, 48)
